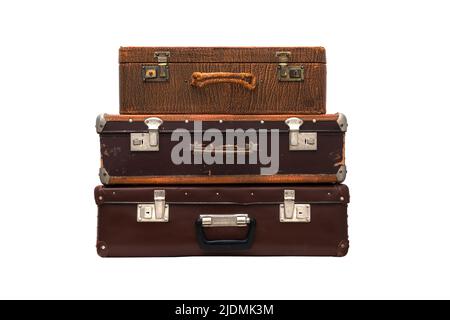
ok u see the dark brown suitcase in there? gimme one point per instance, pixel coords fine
(173, 80)
(142, 149)
(306, 220)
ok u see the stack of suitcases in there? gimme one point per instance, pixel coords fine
(222, 151)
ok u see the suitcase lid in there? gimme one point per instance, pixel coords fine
(222, 54)
(107, 123)
(238, 194)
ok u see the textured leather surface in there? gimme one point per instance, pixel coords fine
(177, 95)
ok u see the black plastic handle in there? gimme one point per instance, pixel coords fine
(244, 244)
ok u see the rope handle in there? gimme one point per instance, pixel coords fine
(245, 79)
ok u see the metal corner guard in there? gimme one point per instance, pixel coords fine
(100, 122)
(104, 176)
(341, 174)
(342, 122)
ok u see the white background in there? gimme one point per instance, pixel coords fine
(388, 71)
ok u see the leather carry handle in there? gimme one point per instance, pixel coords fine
(244, 244)
(245, 79)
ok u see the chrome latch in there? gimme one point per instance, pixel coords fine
(157, 73)
(300, 141)
(286, 72)
(154, 212)
(294, 212)
(224, 220)
(147, 141)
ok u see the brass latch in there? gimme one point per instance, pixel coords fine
(159, 72)
(294, 212)
(286, 72)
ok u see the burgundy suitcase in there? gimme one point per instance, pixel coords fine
(254, 220)
(143, 149)
(175, 80)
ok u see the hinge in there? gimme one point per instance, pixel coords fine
(294, 212)
(286, 72)
(154, 212)
(160, 72)
(300, 141)
(225, 220)
(147, 141)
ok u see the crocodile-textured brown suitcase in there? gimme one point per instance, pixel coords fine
(307, 220)
(174, 80)
(221, 149)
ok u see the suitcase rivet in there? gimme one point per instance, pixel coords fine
(130, 120)
(314, 120)
(329, 193)
(217, 193)
(103, 247)
(252, 194)
(262, 121)
(185, 193)
(343, 245)
(186, 121)
(100, 198)
(220, 121)
(342, 198)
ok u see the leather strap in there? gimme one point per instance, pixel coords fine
(245, 79)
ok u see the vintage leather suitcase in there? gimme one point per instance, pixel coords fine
(175, 80)
(306, 220)
(174, 149)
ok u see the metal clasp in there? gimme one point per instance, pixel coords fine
(147, 141)
(294, 212)
(286, 72)
(157, 73)
(300, 141)
(154, 212)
